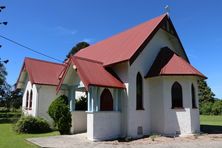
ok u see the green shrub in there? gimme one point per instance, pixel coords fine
(217, 108)
(4, 110)
(206, 108)
(30, 124)
(59, 112)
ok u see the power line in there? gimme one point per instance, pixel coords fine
(26, 47)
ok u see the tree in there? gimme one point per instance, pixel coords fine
(81, 103)
(205, 93)
(77, 48)
(206, 108)
(59, 112)
(217, 107)
(14, 99)
(4, 86)
(207, 99)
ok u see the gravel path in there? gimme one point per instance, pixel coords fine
(79, 141)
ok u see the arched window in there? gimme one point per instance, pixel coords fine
(177, 95)
(27, 100)
(139, 92)
(193, 97)
(30, 101)
(106, 101)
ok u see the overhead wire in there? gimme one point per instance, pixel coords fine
(28, 48)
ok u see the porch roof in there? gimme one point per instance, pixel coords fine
(168, 62)
(93, 73)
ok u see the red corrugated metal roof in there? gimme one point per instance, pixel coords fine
(122, 46)
(169, 63)
(43, 72)
(93, 73)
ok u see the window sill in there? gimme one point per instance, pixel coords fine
(194, 108)
(142, 109)
(178, 108)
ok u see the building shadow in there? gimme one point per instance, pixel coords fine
(211, 129)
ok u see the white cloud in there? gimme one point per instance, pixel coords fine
(88, 40)
(66, 31)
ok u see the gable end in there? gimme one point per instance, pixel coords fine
(173, 32)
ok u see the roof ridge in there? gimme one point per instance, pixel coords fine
(153, 23)
(62, 64)
(87, 59)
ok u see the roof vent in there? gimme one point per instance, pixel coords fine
(140, 130)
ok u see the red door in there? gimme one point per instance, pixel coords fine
(106, 101)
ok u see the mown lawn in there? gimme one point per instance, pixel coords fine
(210, 120)
(211, 124)
(9, 139)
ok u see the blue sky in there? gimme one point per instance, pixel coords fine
(54, 26)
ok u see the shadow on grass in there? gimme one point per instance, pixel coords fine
(211, 129)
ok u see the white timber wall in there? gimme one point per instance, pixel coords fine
(157, 104)
(181, 121)
(103, 125)
(121, 70)
(43, 95)
(79, 122)
(141, 118)
(46, 94)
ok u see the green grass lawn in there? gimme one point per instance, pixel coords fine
(210, 120)
(9, 139)
(211, 124)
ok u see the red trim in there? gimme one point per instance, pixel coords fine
(82, 75)
(106, 86)
(26, 58)
(63, 76)
(204, 77)
(46, 84)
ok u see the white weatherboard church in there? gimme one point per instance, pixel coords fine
(138, 82)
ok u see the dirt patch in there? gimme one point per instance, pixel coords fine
(167, 140)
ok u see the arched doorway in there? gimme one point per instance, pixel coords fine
(106, 101)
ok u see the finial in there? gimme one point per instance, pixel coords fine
(167, 10)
